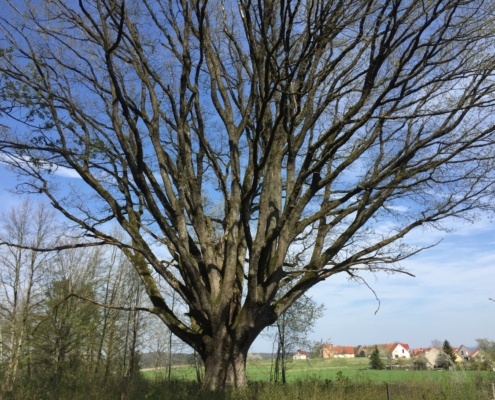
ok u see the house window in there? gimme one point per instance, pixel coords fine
(402, 351)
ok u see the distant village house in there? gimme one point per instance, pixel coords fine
(398, 350)
(331, 351)
(389, 350)
(300, 355)
(430, 354)
(462, 353)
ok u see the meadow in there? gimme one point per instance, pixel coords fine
(355, 369)
(341, 379)
(306, 380)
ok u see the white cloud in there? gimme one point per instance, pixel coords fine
(61, 171)
(448, 299)
(66, 173)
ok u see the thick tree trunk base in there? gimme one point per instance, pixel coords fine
(225, 369)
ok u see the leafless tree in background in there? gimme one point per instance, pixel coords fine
(22, 275)
(52, 326)
(292, 330)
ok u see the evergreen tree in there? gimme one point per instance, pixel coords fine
(375, 361)
(447, 349)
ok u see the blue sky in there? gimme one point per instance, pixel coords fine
(448, 298)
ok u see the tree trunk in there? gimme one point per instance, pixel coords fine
(16, 345)
(225, 365)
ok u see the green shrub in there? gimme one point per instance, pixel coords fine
(375, 361)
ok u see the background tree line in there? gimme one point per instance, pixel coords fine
(52, 328)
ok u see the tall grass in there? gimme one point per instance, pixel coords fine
(342, 387)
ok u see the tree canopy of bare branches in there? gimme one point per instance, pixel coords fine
(249, 146)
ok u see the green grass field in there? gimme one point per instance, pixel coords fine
(341, 379)
(314, 380)
(356, 370)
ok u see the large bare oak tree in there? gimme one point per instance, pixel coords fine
(248, 146)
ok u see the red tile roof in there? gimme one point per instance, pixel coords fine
(390, 347)
(343, 350)
(421, 350)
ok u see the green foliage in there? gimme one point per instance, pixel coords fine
(444, 361)
(63, 336)
(375, 360)
(420, 363)
(480, 365)
(447, 349)
(487, 349)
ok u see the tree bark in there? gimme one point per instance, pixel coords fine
(225, 364)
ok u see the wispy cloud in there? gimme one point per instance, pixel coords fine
(56, 170)
(66, 173)
(448, 299)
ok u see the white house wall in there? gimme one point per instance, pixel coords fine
(400, 352)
